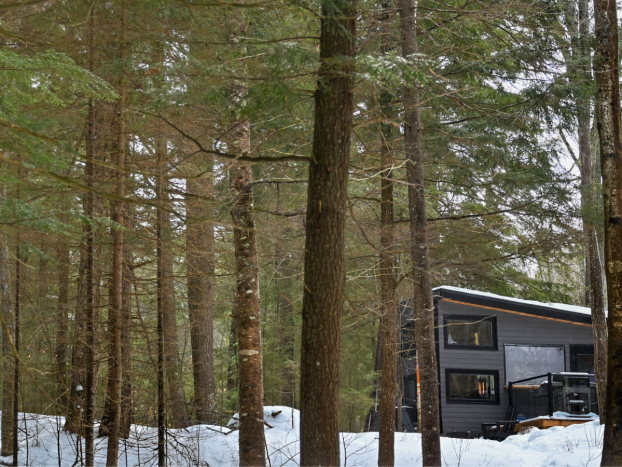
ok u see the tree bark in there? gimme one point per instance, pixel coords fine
(73, 421)
(62, 316)
(81, 411)
(126, 342)
(89, 319)
(388, 303)
(375, 392)
(18, 260)
(115, 357)
(247, 310)
(80, 416)
(179, 417)
(429, 420)
(232, 367)
(324, 276)
(588, 182)
(578, 65)
(606, 70)
(126, 402)
(285, 312)
(247, 313)
(8, 330)
(200, 270)
(161, 418)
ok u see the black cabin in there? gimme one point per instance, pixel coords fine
(484, 341)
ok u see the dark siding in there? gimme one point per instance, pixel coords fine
(511, 329)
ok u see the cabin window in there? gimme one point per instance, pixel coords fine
(470, 332)
(472, 386)
(525, 361)
(582, 358)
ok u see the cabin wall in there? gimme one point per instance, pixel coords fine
(511, 329)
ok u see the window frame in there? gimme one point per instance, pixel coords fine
(492, 319)
(462, 371)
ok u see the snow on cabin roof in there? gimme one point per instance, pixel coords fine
(553, 306)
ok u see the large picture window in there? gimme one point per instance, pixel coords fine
(525, 361)
(470, 332)
(472, 386)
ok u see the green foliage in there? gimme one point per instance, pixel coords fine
(501, 200)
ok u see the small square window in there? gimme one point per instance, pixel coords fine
(472, 386)
(470, 332)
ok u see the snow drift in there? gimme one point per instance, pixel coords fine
(43, 443)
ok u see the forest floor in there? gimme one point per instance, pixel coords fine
(44, 443)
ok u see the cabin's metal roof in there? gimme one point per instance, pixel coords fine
(560, 311)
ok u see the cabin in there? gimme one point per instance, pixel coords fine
(485, 341)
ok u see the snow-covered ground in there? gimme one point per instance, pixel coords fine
(205, 445)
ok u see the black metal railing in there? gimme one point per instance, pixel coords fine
(550, 392)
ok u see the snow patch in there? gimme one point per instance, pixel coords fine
(212, 446)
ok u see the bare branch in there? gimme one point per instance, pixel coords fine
(16, 5)
(568, 147)
(237, 157)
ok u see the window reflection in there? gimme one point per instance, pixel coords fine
(478, 386)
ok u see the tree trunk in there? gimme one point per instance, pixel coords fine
(200, 270)
(89, 319)
(161, 418)
(324, 272)
(73, 421)
(81, 409)
(179, 417)
(247, 309)
(606, 70)
(62, 316)
(429, 421)
(8, 330)
(597, 292)
(388, 301)
(16, 357)
(285, 313)
(126, 342)
(247, 313)
(126, 404)
(115, 357)
(375, 392)
(578, 66)
(232, 367)
(85, 373)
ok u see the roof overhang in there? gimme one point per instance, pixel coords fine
(511, 305)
